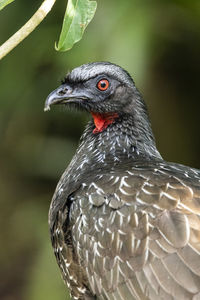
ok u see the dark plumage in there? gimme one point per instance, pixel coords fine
(125, 224)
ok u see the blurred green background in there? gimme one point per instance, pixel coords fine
(158, 42)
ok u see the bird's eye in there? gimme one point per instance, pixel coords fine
(103, 84)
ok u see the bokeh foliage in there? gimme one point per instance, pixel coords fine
(157, 41)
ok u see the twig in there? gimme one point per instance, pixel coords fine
(25, 30)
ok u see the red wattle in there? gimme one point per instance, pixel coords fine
(102, 121)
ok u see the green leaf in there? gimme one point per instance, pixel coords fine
(3, 3)
(78, 15)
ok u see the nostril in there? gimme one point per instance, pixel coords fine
(62, 92)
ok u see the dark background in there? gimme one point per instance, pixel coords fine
(158, 42)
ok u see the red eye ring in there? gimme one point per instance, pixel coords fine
(103, 84)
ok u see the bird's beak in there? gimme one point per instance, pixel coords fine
(64, 94)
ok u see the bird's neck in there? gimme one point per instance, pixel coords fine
(111, 139)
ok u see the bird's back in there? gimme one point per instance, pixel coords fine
(133, 233)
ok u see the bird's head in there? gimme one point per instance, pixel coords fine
(105, 90)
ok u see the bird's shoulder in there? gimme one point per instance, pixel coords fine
(166, 196)
(160, 184)
(140, 223)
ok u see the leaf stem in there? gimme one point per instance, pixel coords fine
(25, 30)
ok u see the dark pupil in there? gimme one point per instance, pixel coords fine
(103, 84)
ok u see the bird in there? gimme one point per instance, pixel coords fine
(124, 223)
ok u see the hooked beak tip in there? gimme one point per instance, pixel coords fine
(53, 98)
(46, 108)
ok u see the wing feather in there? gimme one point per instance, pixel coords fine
(138, 238)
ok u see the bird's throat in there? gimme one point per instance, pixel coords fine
(102, 121)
